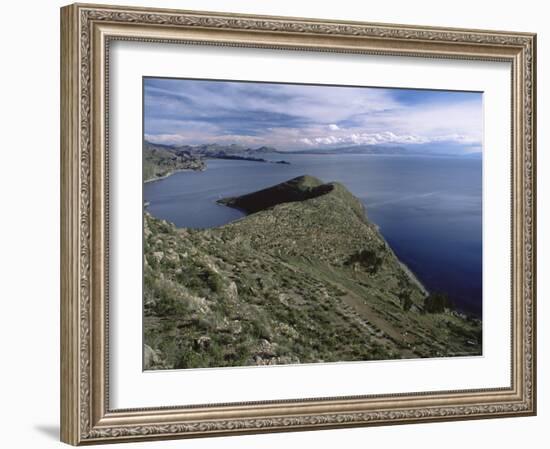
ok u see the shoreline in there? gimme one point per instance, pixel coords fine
(410, 274)
(413, 277)
(204, 159)
(160, 178)
(247, 158)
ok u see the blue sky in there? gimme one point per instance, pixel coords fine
(298, 117)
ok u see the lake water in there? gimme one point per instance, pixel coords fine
(428, 208)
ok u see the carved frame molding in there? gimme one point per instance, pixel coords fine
(87, 31)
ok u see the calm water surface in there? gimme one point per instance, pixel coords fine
(427, 208)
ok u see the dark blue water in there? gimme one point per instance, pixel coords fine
(428, 208)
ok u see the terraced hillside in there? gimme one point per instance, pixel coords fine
(304, 278)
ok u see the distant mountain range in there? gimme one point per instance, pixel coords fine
(417, 150)
(358, 149)
(215, 150)
(160, 161)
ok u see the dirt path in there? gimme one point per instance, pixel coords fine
(376, 326)
(370, 318)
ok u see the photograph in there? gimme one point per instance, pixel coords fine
(309, 223)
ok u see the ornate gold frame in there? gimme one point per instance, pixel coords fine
(86, 32)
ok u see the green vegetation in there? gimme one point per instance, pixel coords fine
(305, 278)
(160, 161)
(437, 303)
(367, 258)
(406, 301)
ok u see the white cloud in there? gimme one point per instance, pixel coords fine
(364, 139)
(457, 122)
(296, 116)
(165, 139)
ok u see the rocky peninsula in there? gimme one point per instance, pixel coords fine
(305, 277)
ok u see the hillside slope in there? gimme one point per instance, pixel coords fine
(160, 161)
(306, 278)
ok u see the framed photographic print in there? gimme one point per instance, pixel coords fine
(279, 224)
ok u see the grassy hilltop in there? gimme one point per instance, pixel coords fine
(304, 278)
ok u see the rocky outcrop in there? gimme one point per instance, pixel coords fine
(297, 189)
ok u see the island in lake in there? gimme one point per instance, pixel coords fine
(304, 277)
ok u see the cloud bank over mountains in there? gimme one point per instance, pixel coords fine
(300, 117)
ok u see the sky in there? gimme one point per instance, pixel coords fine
(301, 117)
